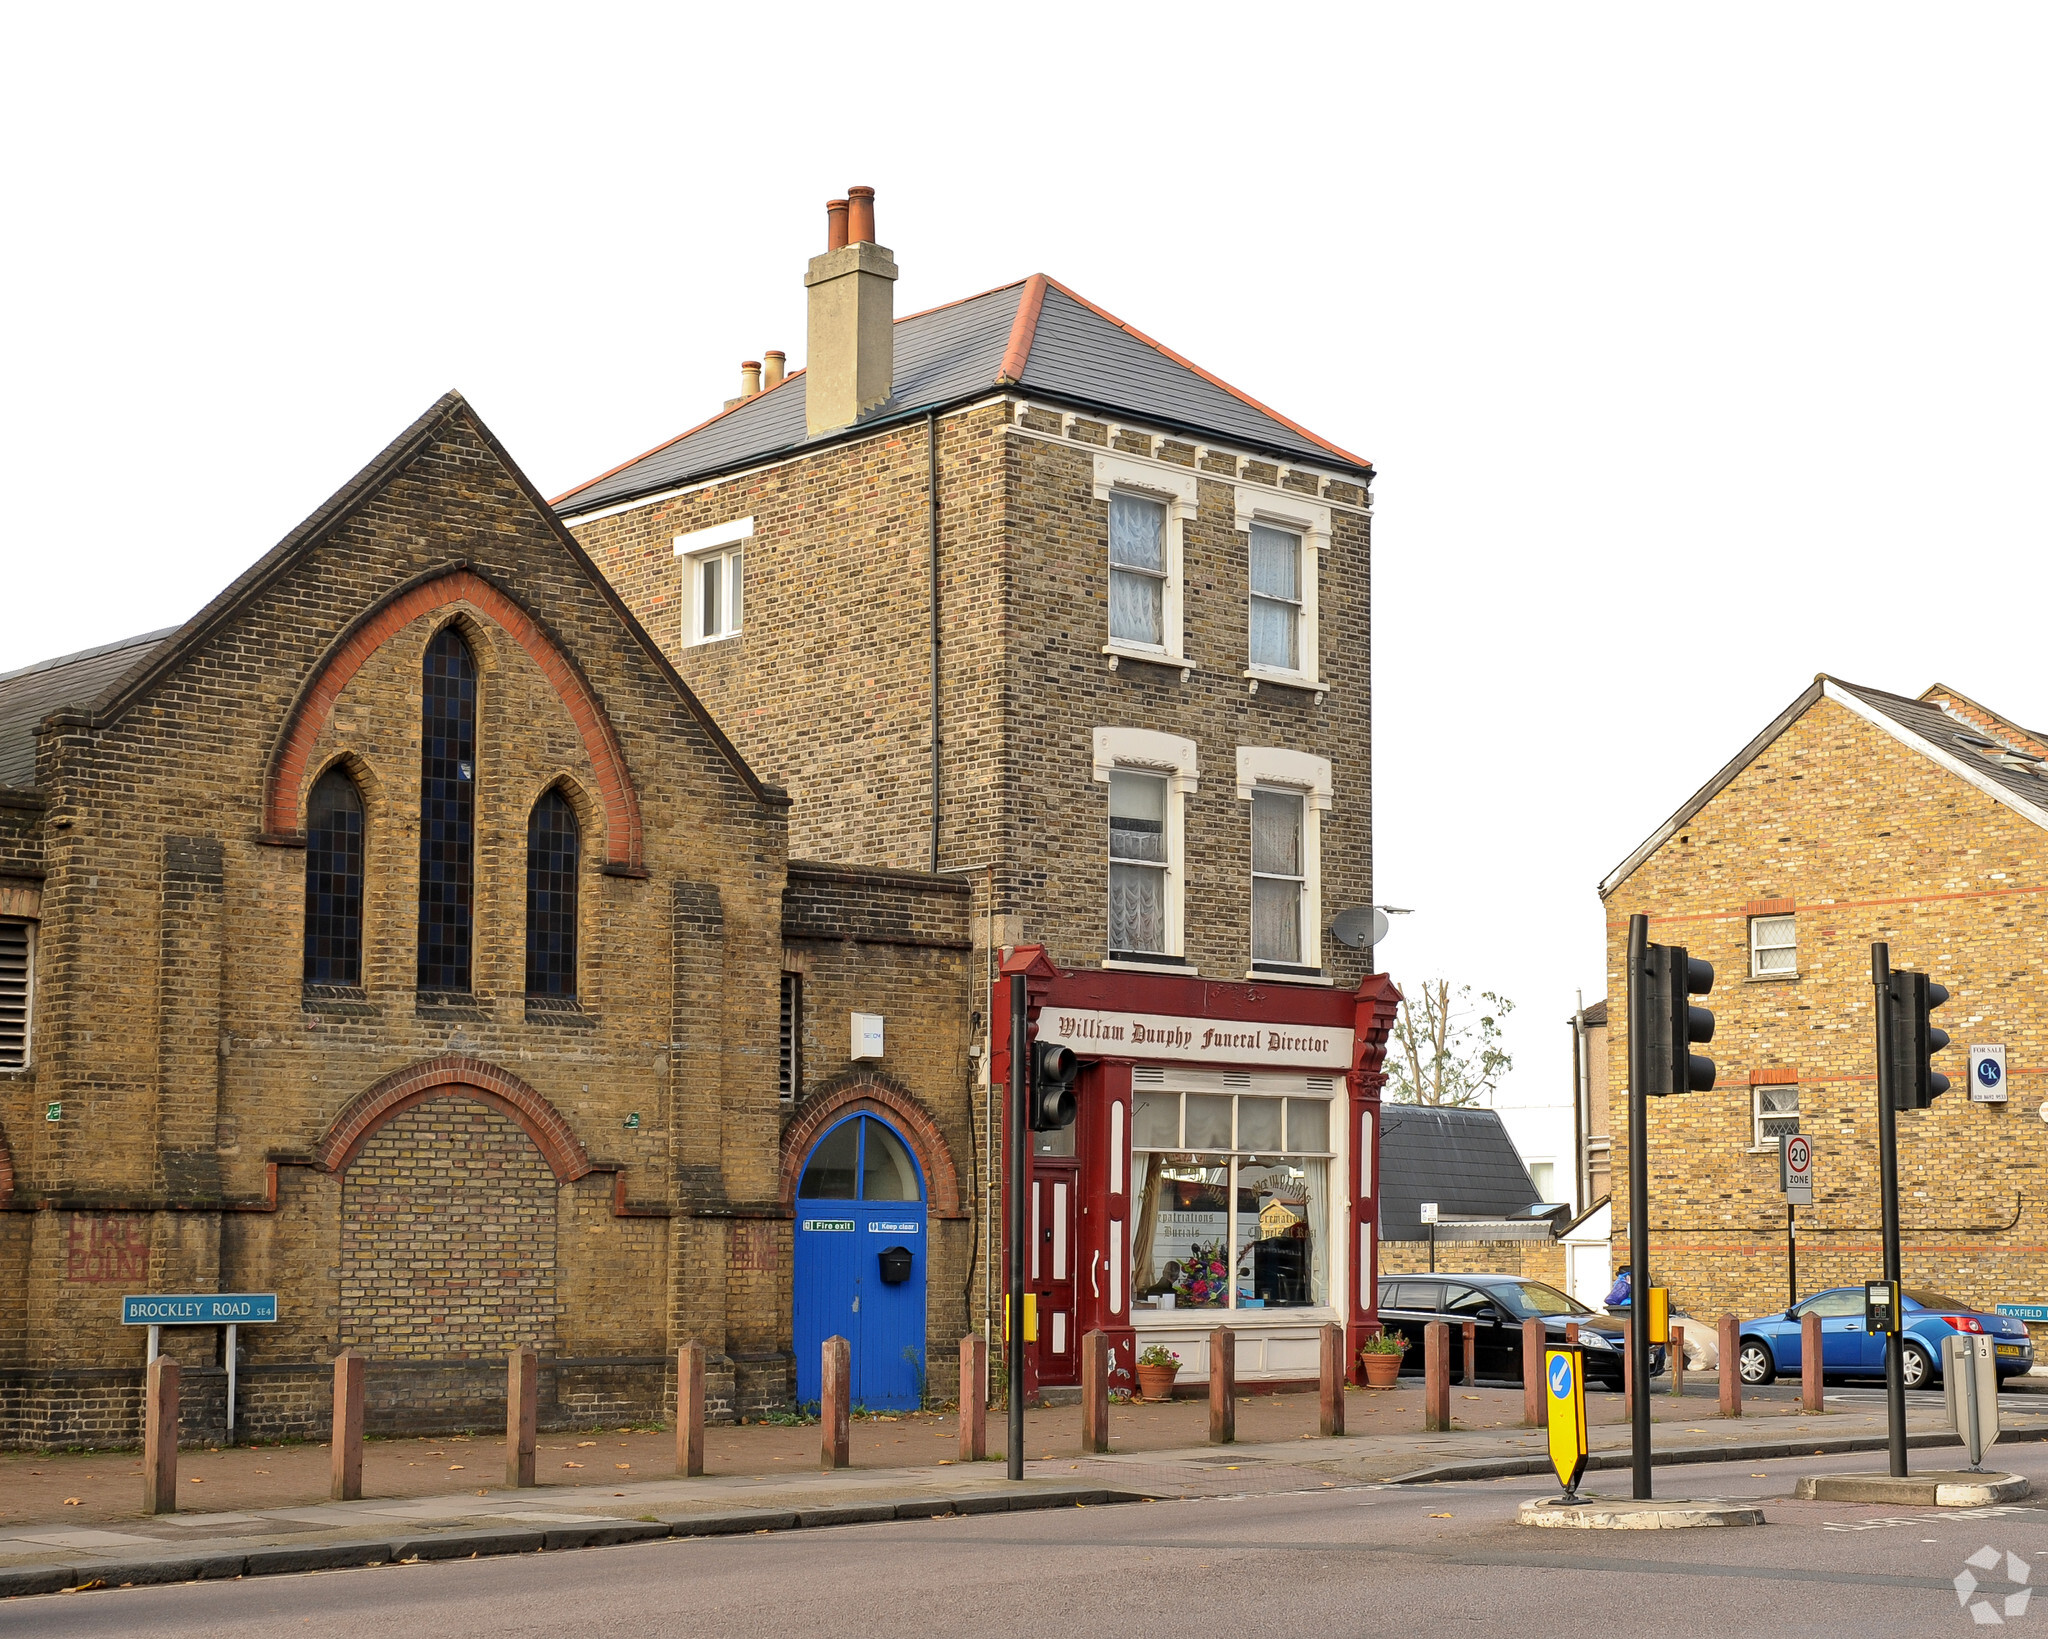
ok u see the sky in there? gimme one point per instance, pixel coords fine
(1699, 349)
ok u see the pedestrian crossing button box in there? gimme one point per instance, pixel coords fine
(1881, 1308)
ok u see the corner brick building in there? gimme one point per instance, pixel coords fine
(1010, 593)
(1855, 816)
(400, 935)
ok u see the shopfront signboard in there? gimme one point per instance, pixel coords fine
(1196, 1040)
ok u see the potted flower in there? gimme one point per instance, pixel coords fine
(1157, 1368)
(1380, 1355)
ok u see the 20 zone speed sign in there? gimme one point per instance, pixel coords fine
(1795, 1169)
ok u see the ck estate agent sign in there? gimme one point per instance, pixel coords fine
(1987, 1075)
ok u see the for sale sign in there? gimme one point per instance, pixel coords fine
(1987, 1075)
(1795, 1168)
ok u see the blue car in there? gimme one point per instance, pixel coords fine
(1772, 1345)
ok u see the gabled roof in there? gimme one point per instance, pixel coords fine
(1459, 1157)
(72, 682)
(144, 661)
(1998, 764)
(1035, 335)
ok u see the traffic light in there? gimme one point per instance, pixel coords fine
(1053, 1068)
(1915, 1038)
(1672, 977)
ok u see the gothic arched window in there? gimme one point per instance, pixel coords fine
(447, 812)
(334, 881)
(552, 846)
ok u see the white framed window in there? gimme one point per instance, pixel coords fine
(714, 580)
(17, 991)
(1284, 545)
(1286, 794)
(1279, 875)
(1147, 508)
(1149, 776)
(1276, 598)
(1773, 946)
(1776, 1109)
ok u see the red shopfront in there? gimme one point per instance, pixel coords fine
(1222, 1168)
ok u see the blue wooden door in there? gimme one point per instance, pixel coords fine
(861, 1199)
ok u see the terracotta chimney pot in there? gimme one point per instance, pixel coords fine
(777, 361)
(750, 378)
(835, 224)
(860, 215)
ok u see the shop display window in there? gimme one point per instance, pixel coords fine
(1232, 1202)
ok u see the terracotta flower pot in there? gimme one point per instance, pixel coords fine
(1156, 1382)
(1381, 1369)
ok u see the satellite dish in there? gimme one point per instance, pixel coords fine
(1360, 926)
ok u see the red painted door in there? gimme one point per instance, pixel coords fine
(1055, 1194)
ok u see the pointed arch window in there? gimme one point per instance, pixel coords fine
(553, 849)
(447, 812)
(334, 881)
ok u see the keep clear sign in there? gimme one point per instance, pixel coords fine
(1564, 1381)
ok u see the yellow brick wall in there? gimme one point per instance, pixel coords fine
(1871, 840)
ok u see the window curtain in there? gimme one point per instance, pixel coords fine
(1145, 1182)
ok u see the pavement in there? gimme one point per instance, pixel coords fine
(765, 1478)
(1357, 1560)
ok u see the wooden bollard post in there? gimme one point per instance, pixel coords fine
(690, 1409)
(1731, 1366)
(1571, 1331)
(1534, 1341)
(522, 1416)
(1470, 1374)
(1677, 1356)
(1332, 1378)
(973, 1398)
(160, 1436)
(1094, 1391)
(835, 1409)
(1222, 1386)
(1436, 1377)
(1810, 1364)
(346, 1443)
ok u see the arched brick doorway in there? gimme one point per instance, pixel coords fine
(450, 1176)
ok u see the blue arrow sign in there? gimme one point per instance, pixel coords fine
(201, 1309)
(1561, 1377)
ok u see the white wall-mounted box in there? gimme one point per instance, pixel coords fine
(867, 1035)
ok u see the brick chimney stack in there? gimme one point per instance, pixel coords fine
(850, 360)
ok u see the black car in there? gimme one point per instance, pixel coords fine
(1497, 1305)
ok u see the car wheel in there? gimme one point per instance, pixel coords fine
(1754, 1364)
(1915, 1366)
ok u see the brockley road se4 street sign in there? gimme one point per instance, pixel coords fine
(1795, 1168)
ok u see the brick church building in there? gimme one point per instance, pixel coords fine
(400, 935)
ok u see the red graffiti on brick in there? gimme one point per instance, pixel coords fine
(107, 1251)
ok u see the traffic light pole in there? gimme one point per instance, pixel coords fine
(1638, 1206)
(1888, 1174)
(1020, 1162)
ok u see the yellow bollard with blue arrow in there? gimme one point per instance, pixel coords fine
(1564, 1380)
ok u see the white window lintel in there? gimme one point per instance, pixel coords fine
(716, 535)
(1276, 765)
(1151, 751)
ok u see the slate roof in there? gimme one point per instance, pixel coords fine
(73, 681)
(1035, 335)
(2007, 767)
(1596, 1014)
(1460, 1158)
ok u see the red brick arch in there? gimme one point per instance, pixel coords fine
(290, 761)
(453, 1076)
(871, 1092)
